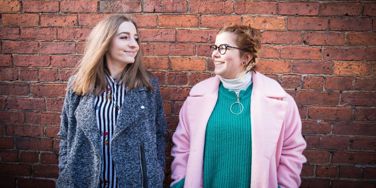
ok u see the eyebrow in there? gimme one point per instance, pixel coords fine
(126, 33)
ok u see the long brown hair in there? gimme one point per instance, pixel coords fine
(247, 39)
(90, 72)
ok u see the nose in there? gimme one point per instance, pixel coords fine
(133, 43)
(215, 54)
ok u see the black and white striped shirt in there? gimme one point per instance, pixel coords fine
(107, 106)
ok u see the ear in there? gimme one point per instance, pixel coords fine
(246, 57)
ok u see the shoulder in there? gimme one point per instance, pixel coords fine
(268, 86)
(206, 86)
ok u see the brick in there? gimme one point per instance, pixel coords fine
(194, 78)
(176, 21)
(175, 6)
(365, 114)
(369, 172)
(40, 6)
(157, 34)
(50, 119)
(324, 38)
(49, 171)
(326, 171)
(362, 143)
(330, 113)
(313, 82)
(128, 6)
(255, 7)
(26, 103)
(308, 183)
(161, 77)
(47, 75)
(52, 131)
(351, 183)
(9, 33)
(21, 20)
(48, 158)
(80, 48)
(181, 49)
(8, 156)
(48, 90)
(28, 74)
(15, 169)
(369, 10)
(300, 52)
(340, 9)
(211, 7)
(354, 157)
(46, 34)
(32, 118)
(308, 170)
(34, 143)
(349, 54)
(339, 83)
(300, 8)
(72, 34)
(6, 143)
(361, 38)
(8, 74)
(189, 63)
(58, 20)
(30, 183)
(155, 49)
(215, 21)
(266, 23)
(145, 21)
(54, 104)
(29, 157)
(10, 118)
(31, 61)
(26, 47)
(90, 20)
(269, 51)
(359, 98)
(350, 24)
(316, 127)
(14, 89)
(291, 82)
(177, 78)
(352, 68)
(317, 156)
(9, 6)
(175, 93)
(307, 23)
(313, 97)
(64, 74)
(273, 66)
(57, 47)
(64, 61)
(5, 60)
(78, 6)
(207, 36)
(350, 172)
(32, 131)
(155, 62)
(334, 142)
(276, 37)
(203, 50)
(313, 142)
(354, 128)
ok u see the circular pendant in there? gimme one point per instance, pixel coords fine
(236, 108)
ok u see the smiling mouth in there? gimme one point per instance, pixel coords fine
(218, 62)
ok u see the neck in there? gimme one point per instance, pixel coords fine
(239, 83)
(115, 68)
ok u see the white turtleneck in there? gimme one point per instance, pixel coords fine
(237, 84)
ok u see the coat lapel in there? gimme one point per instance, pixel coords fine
(85, 114)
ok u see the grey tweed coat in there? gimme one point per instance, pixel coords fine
(138, 143)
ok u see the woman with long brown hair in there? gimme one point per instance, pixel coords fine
(112, 124)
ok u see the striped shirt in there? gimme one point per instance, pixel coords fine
(107, 106)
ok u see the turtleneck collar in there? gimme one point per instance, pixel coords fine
(237, 84)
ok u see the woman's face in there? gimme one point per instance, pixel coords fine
(124, 45)
(228, 65)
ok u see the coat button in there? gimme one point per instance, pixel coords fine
(142, 107)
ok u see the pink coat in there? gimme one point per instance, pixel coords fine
(277, 141)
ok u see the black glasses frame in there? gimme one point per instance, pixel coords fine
(222, 48)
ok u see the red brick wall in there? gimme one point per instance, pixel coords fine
(323, 53)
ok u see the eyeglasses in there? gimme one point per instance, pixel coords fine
(222, 48)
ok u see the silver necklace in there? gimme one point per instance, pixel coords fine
(237, 103)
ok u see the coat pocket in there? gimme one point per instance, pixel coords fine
(143, 166)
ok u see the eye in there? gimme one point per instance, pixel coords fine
(124, 37)
(136, 39)
(213, 47)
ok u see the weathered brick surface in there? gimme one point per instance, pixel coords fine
(322, 52)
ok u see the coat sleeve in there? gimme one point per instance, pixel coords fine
(63, 132)
(180, 150)
(292, 158)
(161, 127)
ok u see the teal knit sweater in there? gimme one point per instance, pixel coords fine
(228, 143)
